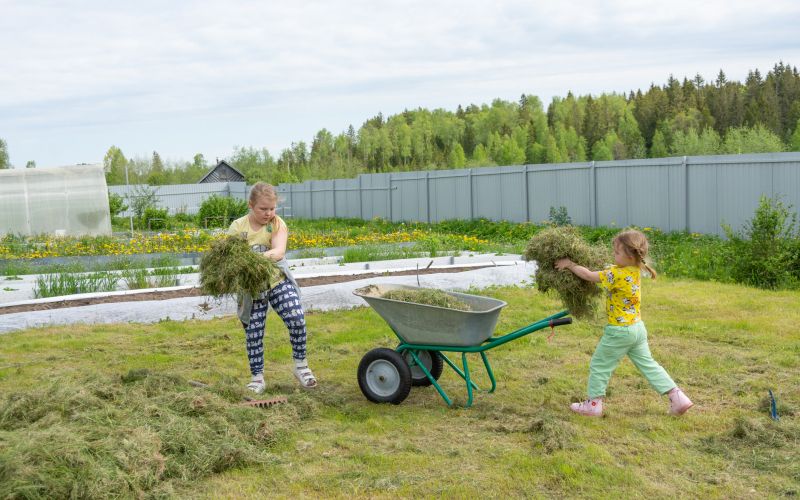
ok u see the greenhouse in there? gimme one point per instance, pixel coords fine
(64, 201)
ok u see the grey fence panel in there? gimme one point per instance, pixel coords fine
(347, 198)
(182, 198)
(323, 202)
(786, 183)
(450, 194)
(647, 193)
(499, 193)
(410, 198)
(567, 185)
(612, 194)
(375, 196)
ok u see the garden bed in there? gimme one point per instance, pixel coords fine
(195, 292)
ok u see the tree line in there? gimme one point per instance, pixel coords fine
(688, 117)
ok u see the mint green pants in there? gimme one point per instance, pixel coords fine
(616, 342)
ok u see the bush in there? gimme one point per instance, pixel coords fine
(559, 216)
(116, 204)
(219, 211)
(154, 218)
(765, 251)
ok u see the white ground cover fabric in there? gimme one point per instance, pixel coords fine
(508, 270)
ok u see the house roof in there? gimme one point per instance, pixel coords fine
(222, 172)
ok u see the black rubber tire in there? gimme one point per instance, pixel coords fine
(384, 376)
(433, 362)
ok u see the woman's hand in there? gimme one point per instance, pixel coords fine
(562, 264)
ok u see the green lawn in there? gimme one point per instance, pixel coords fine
(76, 417)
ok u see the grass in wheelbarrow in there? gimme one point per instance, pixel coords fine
(428, 297)
(546, 247)
(230, 267)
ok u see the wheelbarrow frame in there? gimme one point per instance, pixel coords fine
(552, 321)
(482, 340)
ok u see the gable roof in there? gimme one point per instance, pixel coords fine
(222, 172)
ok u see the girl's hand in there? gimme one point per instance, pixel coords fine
(562, 264)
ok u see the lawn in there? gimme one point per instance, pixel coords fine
(100, 410)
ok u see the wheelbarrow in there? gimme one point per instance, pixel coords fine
(426, 332)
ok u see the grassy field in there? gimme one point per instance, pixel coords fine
(99, 410)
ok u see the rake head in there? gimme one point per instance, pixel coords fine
(265, 403)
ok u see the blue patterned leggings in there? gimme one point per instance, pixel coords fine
(284, 300)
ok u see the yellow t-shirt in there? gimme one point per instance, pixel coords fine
(623, 294)
(260, 241)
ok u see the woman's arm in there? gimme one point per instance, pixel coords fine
(279, 239)
(579, 271)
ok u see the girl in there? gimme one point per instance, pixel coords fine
(267, 234)
(625, 332)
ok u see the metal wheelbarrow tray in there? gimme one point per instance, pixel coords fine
(425, 331)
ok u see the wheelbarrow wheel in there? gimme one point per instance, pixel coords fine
(384, 376)
(432, 361)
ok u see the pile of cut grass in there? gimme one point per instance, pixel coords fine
(230, 267)
(428, 297)
(141, 434)
(552, 244)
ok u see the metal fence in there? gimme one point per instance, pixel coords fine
(694, 193)
(181, 198)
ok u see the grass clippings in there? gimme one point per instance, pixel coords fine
(141, 434)
(230, 267)
(552, 244)
(428, 297)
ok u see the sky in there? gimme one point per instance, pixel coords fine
(188, 77)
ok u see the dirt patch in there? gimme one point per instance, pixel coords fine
(195, 292)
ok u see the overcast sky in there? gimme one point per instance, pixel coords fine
(187, 77)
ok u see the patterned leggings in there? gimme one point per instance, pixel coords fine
(284, 300)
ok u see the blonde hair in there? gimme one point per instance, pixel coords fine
(262, 189)
(634, 243)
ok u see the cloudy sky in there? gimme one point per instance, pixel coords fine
(187, 77)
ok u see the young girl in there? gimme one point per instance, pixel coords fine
(625, 332)
(267, 234)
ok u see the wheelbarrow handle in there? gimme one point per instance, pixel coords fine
(560, 321)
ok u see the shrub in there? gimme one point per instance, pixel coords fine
(154, 218)
(559, 216)
(116, 204)
(219, 211)
(764, 250)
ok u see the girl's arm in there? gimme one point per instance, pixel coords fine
(279, 239)
(579, 271)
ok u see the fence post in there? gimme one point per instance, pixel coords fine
(360, 200)
(391, 219)
(428, 195)
(334, 198)
(471, 203)
(525, 185)
(311, 199)
(686, 194)
(593, 195)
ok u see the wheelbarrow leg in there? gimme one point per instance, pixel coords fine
(427, 373)
(457, 370)
(466, 377)
(489, 371)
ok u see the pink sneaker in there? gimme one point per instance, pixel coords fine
(678, 402)
(588, 408)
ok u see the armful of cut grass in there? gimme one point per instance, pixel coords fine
(231, 267)
(552, 244)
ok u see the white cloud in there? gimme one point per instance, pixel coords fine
(185, 77)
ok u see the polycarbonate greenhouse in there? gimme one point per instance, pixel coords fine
(63, 201)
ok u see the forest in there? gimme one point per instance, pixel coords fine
(680, 117)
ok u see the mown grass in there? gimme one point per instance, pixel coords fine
(725, 344)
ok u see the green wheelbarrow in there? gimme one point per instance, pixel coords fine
(426, 333)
